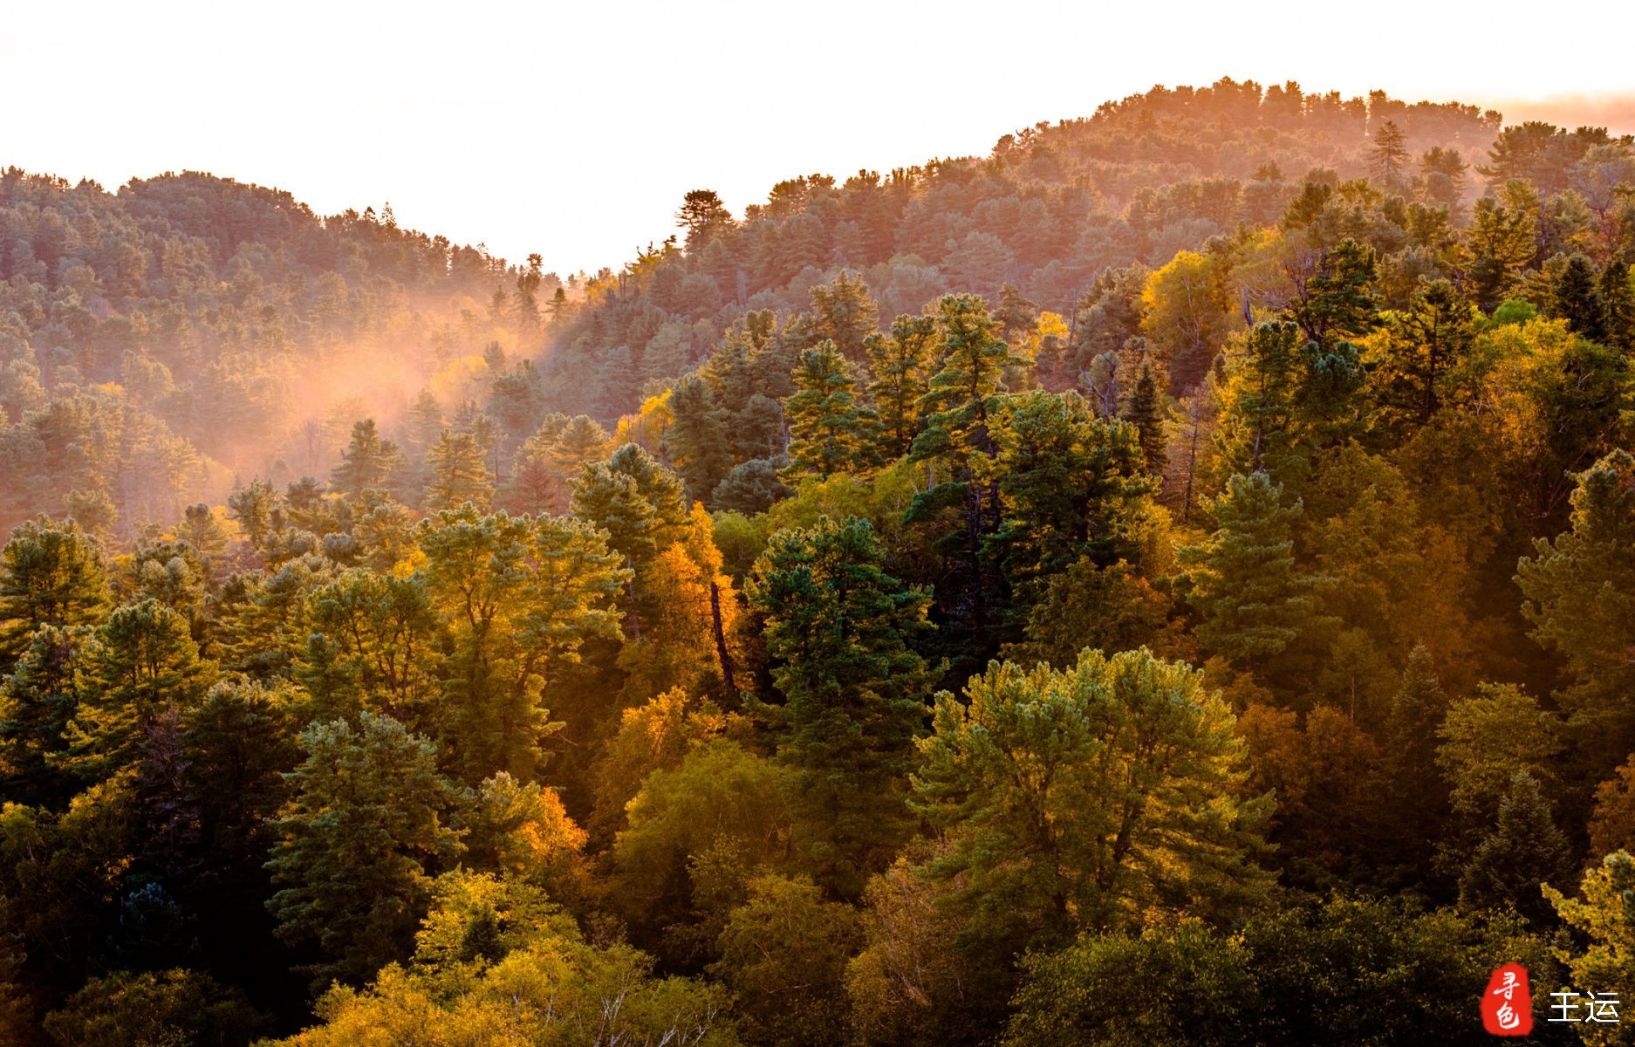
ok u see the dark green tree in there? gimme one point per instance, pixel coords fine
(370, 824)
(829, 430)
(838, 629)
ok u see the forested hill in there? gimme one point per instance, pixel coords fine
(1064, 597)
(160, 343)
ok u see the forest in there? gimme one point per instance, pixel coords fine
(1170, 580)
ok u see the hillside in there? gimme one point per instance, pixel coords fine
(1167, 581)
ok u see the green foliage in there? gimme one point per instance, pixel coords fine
(839, 629)
(49, 575)
(369, 461)
(829, 431)
(792, 993)
(158, 1008)
(1252, 598)
(371, 819)
(1291, 976)
(1580, 600)
(1523, 851)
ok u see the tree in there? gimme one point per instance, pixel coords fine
(696, 835)
(959, 410)
(783, 955)
(1388, 158)
(1084, 798)
(523, 595)
(1146, 412)
(496, 959)
(1252, 599)
(1523, 851)
(368, 461)
(1486, 740)
(459, 473)
(899, 369)
(829, 431)
(1071, 484)
(373, 646)
(838, 629)
(1618, 306)
(697, 440)
(704, 217)
(1503, 240)
(1185, 317)
(37, 702)
(1579, 594)
(1337, 302)
(145, 666)
(1578, 300)
(370, 821)
(165, 1007)
(1604, 918)
(1423, 346)
(49, 575)
(1344, 972)
(845, 314)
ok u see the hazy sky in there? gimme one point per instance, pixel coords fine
(574, 129)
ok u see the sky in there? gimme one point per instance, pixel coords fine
(573, 130)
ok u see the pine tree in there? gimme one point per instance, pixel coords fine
(50, 574)
(1146, 413)
(459, 473)
(145, 666)
(1337, 302)
(1580, 600)
(37, 702)
(899, 370)
(370, 823)
(1252, 599)
(844, 314)
(838, 628)
(368, 461)
(829, 431)
(1523, 850)
(1425, 343)
(1577, 299)
(1618, 306)
(1389, 156)
(697, 440)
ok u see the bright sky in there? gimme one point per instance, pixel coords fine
(574, 129)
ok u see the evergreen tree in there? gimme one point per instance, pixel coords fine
(368, 461)
(1337, 301)
(145, 666)
(829, 431)
(1146, 412)
(49, 575)
(1580, 599)
(459, 473)
(1423, 346)
(1618, 306)
(370, 823)
(959, 410)
(899, 369)
(1577, 299)
(838, 629)
(1252, 599)
(1524, 850)
(1413, 786)
(697, 440)
(37, 702)
(1388, 158)
(844, 314)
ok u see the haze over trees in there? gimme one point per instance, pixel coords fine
(1065, 596)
